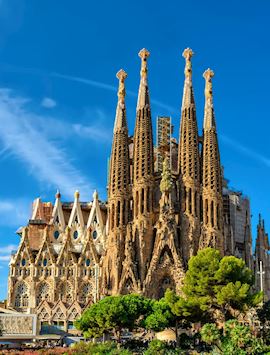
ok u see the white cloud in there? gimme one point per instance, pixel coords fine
(5, 252)
(48, 102)
(5, 206)
(48, 162)
(8, 248)
(14, 212)
(101, 85)
(4, 257)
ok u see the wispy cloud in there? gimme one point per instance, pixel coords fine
(48, 102)
(97, 84)
(14, 212)
(84, 81)
(101, 85)
(4, 257)
(8, 248)
(245, 150)
(48, 162)
(5, 253)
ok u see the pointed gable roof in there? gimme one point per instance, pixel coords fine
(89, 247)
(59, 307)
(74, 306)
(96, 213)
(76, 216)
(24, 247)
(46, 246)
(65, 253)
(36, 213)
(57, 214)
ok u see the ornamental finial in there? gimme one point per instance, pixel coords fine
(76, 195)
(121, 75)
(208, 74)
(95, 195)
(57, 195)
(144, 54)
(187, 54)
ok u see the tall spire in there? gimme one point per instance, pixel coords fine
(119, 165)
(143, 171)
(212, 230)
(143, 137)
(118, 194)
(189, 165)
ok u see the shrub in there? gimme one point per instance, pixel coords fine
(158, 347)
(107, 348)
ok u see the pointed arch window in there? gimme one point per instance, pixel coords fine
(85, 292)
(21, 295)
(43, 292)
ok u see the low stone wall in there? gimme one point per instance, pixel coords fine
(18, 326)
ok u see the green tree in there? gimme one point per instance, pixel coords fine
(112, 314)
(215, 289)
(161, 316)
(219, 287)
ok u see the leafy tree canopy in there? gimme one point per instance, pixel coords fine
(113, 313)
(213, 282)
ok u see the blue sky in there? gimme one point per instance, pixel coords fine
(58, 61)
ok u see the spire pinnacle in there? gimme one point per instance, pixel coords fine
(120, 117)
(121, 75)
(187, 54)
(208, 75)
(209, 119)
(144, 54)
(188, 97)
(143, 96)
(57, 195)
(95, 195)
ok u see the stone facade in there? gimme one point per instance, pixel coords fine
(164, 204)
(55, 271)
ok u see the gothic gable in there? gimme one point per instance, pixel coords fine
(76, 217)
(45, 256)
(57, 214)
(24, 256)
